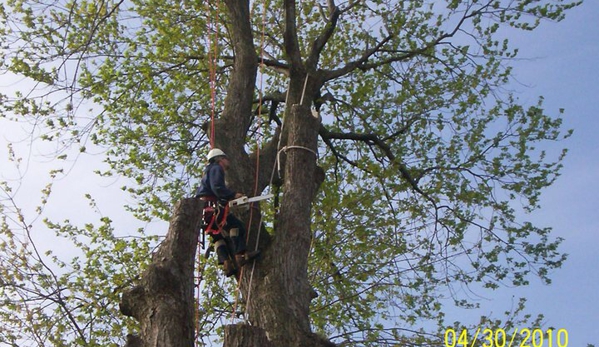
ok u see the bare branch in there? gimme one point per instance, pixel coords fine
(361, 63)
(350, 6)
(336, 153)
(373, 139)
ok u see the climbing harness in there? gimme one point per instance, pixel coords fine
(214, 216)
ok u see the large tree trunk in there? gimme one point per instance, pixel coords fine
(163, 302)
(277, 298)
(281, 294)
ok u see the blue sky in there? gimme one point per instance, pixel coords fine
(566, 74)
(559, 61)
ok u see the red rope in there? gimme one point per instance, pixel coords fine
(212, 44)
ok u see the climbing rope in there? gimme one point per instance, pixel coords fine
(212, 44)
(272, 175)
(211, 38)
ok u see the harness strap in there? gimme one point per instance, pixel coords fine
(212, 213)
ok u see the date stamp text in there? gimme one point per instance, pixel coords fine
(502, 338)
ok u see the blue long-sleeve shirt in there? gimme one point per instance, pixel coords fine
(213, 184)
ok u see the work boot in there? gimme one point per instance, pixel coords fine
(229, 268)
(246, 257)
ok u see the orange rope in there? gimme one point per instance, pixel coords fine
(198, 296)
(212, 44)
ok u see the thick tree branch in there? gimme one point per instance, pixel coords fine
(321, 41)
(338, 155)
(276, 65)
(290, 36)
(238, 103)
(231, 128)
(333, 74)
(163, 301)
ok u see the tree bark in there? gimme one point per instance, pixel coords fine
(231, 128)
(280, 290)
(246, 335)
(163, 302)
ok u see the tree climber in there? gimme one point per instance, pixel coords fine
(221, 223)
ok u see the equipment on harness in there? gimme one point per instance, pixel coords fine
(214, 216)
(229, 242)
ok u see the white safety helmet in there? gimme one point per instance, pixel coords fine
(215, 152)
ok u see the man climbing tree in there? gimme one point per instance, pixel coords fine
(218, 219)
(397, 152)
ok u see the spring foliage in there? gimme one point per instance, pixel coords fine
(429, 161)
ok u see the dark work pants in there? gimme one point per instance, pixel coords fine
(239, 245)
